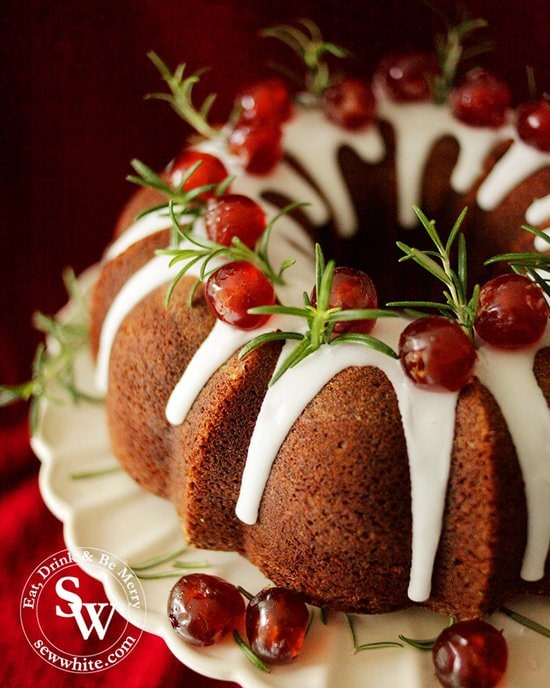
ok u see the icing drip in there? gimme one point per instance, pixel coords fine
(152, 275)
(224, 340)
(424, 415)
(140, 229)
(321, 161)
(418, 126)
(537, 214)
(539, 211)
(503, 373)
(518, 163)
(283, 180)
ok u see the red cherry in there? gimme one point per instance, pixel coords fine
(203, 608)
(482, 99)
(265, 100)
(276, 624)
(349, 103)
(533, 124)
(436, 353)
(470, 654)
(512, 312)
(408, 77)
(351, 289)
(210, 171)
(234, 288)
(258, 144)
(234, 215)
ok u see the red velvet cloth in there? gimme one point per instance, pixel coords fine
(73, 77)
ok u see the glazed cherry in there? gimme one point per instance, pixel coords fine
(258, 144)
(234, 215)
(349, 103)
(470, 654)
(512, 312)
(408, 77)
(267, 100)
(533, 124)
(437, 354)
(234, 288)
(481, 100)
(210, 171)
(276, 625)
(203, 608)
(351, 289)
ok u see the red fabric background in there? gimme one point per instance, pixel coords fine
(73, 77)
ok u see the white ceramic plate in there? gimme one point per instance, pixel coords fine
(112, 513)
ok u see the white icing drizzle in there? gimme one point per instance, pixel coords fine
(222, 342)
(142, 228)
(152, 275)
(542, 245)
(518, 163)
(143, 282)
(539, 211)
(425, 416)
(321, 163)
(504, 373)
(283, 180)
(418, 126)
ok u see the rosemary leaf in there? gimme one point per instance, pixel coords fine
(380, 645)
(160, 574)
(425, 645)
(368, 646)
(267, 337)
(178, 564)
(253, 658)
(245, 593)
(366, 340)
(160, 559)
(85, 475)
(527, 622)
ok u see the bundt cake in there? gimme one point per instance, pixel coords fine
(337, 474)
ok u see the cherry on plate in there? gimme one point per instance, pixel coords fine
(276, 624)
(203, 608)
(470, 654)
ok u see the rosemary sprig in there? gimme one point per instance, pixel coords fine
(451, 50)
(360, 647)
(320, 321)
(526, 621)
(533, 264)
(142, 569)
(438, 263)
(189, 201)
(53, 368)
(160, 559)
(309, 46)
(181, 96)
(200, 248)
